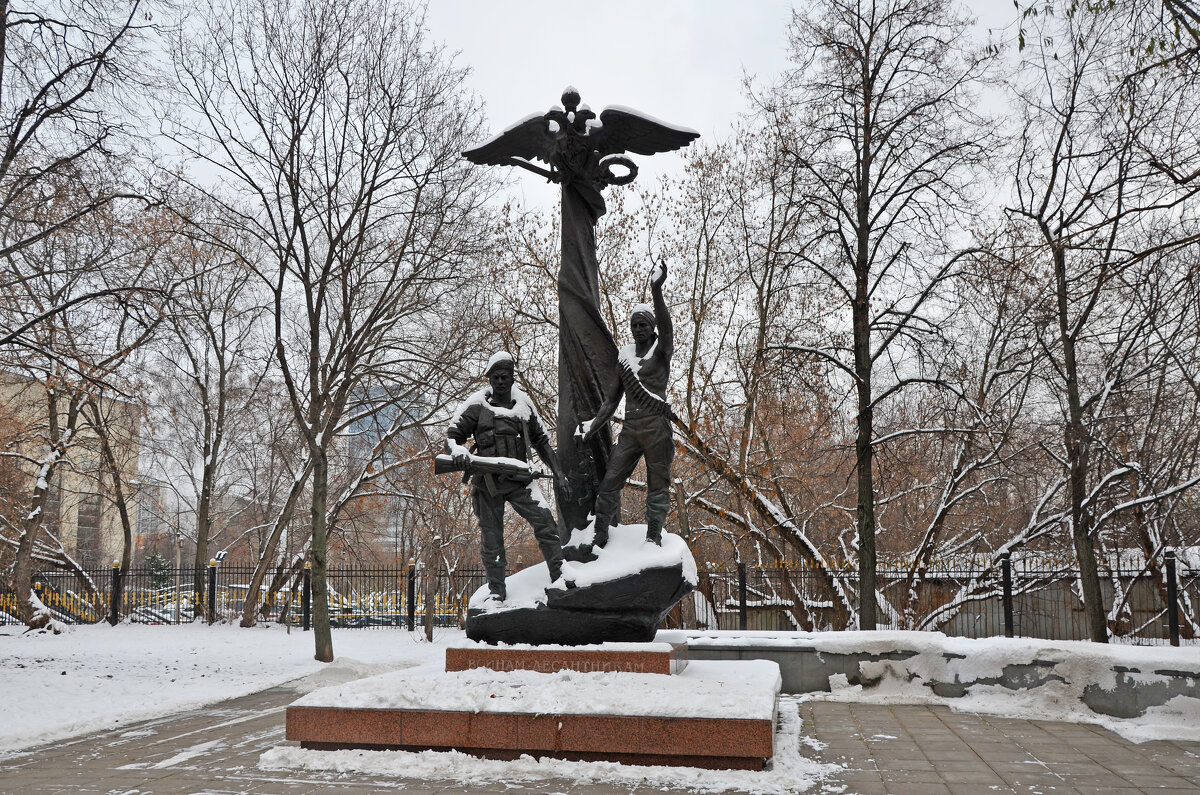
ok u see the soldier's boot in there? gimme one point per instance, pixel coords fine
(657, 507)
(603, 523)
(496, 584)
(557, 565)
(566, 574)
(608, 508)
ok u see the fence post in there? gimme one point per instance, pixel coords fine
(114, 605)
(411, 595)
(1172, 597)
(212, 590)
(306, 599)
(1006, 584)
(742, 596)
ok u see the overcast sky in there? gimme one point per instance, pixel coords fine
(682, 61)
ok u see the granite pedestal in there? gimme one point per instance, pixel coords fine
(577, 703)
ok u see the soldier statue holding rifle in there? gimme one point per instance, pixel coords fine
(505, 426)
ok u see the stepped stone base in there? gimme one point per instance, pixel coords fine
(733, 725)
(692, 742)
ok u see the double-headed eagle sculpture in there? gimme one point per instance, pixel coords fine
(580, 147)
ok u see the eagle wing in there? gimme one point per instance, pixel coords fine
(627, 130)
(527, 139)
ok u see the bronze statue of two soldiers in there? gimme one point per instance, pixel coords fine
(506, 428)
(581, 150)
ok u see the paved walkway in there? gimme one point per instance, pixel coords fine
(902, 749)
(933, 751)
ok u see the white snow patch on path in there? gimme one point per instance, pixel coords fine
(102, 677)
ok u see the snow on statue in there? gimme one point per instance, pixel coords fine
(626, 577)
(505, 427)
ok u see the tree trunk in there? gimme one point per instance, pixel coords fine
(114, 474)
(432, 568)
(250, 610)
(203, 529)
(864, 421)
(28, 606)
(1077, 457)
(200, 563)
(863, 464)
(322, 636)
(22, 572)
(861, 318)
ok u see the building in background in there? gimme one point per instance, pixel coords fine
(81, 511)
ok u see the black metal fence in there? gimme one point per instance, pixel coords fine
(359, 597)
(1028, 597)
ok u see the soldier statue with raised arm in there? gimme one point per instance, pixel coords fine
(643, 371)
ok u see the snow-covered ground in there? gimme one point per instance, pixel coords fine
(102, 677)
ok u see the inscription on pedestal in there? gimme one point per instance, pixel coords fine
(650, 661)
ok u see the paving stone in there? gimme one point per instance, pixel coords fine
(959, 779)
(972, 765)
(895, 776)
(884, 749)
(923, 788)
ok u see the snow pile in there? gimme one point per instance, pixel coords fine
(789, 771)
(705, 689)
(626, 553)
(101, 677)
(1055, 692)
(1010, 677)
(655, 647)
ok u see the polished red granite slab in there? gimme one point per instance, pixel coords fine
(695, 742)
(655, 658)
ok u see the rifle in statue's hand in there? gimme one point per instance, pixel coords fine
(487, 465)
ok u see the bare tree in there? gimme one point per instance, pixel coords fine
(207, 372)
(737, 229)
(76, 358)
(1090, 186)
(886, 89)
(337, 129)
(65, 66)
